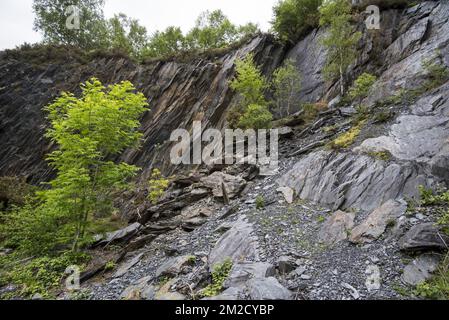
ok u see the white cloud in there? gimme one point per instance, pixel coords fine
(16, 16)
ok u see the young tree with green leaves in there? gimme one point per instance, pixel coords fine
(215, 30)
(52, 15)
(127, 34)
(89, 131)
(250, 85)
(293, 18)
(286, 84)
(362, 86)
(165, 43)
(341, 39)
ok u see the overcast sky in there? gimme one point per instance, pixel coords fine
(16, 16)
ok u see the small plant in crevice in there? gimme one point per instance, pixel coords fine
(260, 202)
(158, 184)
(220, 273)
(346, 139)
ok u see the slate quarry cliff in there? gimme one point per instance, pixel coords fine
(328, 232)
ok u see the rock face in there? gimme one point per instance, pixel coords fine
(424, 236)
(244, 271)
(336, 228)
(345, 180)
(267, 289)
(234, 185)
(417, 141)
(173, 266)
(420, 269)
(237, 244)
(178, 93)
(376, 223)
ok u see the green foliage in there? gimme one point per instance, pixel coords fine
(345, 140)
(294, 18)
(249, 82)
(437, 74)
(429, 198)
(255, 117)
(43, 274)
(110, 265)
(341, 39)
(437, 288)
(88, 130)
(251, 110)
(165, 43)
(286, 84)
(51, 22)
(381, 155)
(127, 35)
(13, 192)
(260, 202)
(157, 186)
(219, 275)
(362, 86)
(215, 30)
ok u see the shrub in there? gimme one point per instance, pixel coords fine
(157, 186)
(294, 18)
(249, 84)
(347, 139)
(219, 275)
(255, 117)
(260, 202)
(361, 87)
(43, 274)
(437, 74)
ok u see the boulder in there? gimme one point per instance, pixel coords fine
(234, 185)
(288, 194)
(377, 221)
(142, 290)
(336, 227)
(424, 237)
(173, 266)
(244, 271)
(238, 244)
(420, 269)
(267, 289)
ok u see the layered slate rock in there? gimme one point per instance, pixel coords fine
(267, 289)
(237, 244)
(336, 228)
(233, 184)
(346, 180)
(173, 266)
(425, 237)
(420, 269)
(244, 271)
(376, 223)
